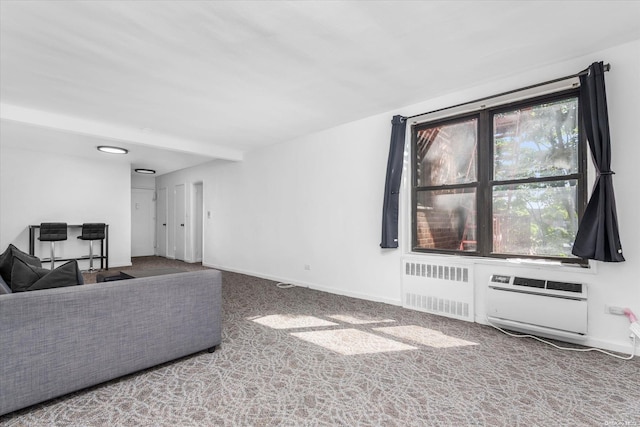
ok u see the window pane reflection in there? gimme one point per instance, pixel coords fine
(535, 219)
(446, 219)
(446, 154)
(536, 141)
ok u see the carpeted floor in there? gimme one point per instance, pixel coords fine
(145, 263)
(298, 357)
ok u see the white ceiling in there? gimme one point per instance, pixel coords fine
(182, 82)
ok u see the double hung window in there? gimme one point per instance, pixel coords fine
(507, 182)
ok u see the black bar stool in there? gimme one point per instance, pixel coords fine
(53, 232)
(92, 231)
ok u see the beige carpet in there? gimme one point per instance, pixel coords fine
(297, 357)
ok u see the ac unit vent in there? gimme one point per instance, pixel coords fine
(539, 283)
(532, 283)
(565, 286)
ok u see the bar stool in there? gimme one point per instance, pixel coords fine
(53, 232)
(92, 231)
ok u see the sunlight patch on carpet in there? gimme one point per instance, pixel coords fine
(360, 319)
(351, 341)
(290, 321)
(424, 336)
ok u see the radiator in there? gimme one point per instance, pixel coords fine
(540, 307)
(438, 286)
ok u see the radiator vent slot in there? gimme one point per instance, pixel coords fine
(443, 288)
(437, 305)
(435, 271)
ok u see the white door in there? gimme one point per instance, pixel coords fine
(142, 222)
(197, 219)
(161, 222)
(180, 222)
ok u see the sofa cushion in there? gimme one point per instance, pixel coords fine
(27, 277)
(7, 258)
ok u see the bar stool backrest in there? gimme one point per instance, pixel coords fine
(92, 231)
(53, 231)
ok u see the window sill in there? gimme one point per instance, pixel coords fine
(516, 262)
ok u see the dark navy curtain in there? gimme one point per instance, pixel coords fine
(598, 236)
(392, 184)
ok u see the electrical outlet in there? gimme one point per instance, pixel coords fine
(307, 267)
(611, 309)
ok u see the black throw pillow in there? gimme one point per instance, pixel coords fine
(7, 259)
(30, 278)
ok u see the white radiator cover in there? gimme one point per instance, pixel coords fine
(538, 307)
(438, 286)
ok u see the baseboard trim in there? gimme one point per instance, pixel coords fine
(309, 285)
(589, 342)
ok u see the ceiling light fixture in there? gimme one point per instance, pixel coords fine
(145, 171)
(112, 150)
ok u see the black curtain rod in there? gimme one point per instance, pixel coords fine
(607, 67)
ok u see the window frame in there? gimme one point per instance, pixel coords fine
(484, 183)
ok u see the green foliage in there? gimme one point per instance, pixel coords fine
(537, 142)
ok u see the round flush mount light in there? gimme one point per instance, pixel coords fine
(112, 150)
(145, 171)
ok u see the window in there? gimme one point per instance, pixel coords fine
(503, 182)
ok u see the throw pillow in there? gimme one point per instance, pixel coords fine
(30, 278)
(7, 258)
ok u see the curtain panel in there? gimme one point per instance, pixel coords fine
(598, 236)
(392, 184)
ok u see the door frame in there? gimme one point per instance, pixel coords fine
(180, 222)
(162, 229)
(197, 220)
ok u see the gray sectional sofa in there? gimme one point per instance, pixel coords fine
(56, 341)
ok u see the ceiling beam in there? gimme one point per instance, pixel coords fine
(143, 136)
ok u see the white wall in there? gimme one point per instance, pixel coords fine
(143, 181)
(41, 187)
(316, 201)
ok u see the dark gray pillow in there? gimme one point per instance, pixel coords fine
(7, 258)
(30, 278)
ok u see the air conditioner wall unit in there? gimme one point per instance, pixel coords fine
(541, 307)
